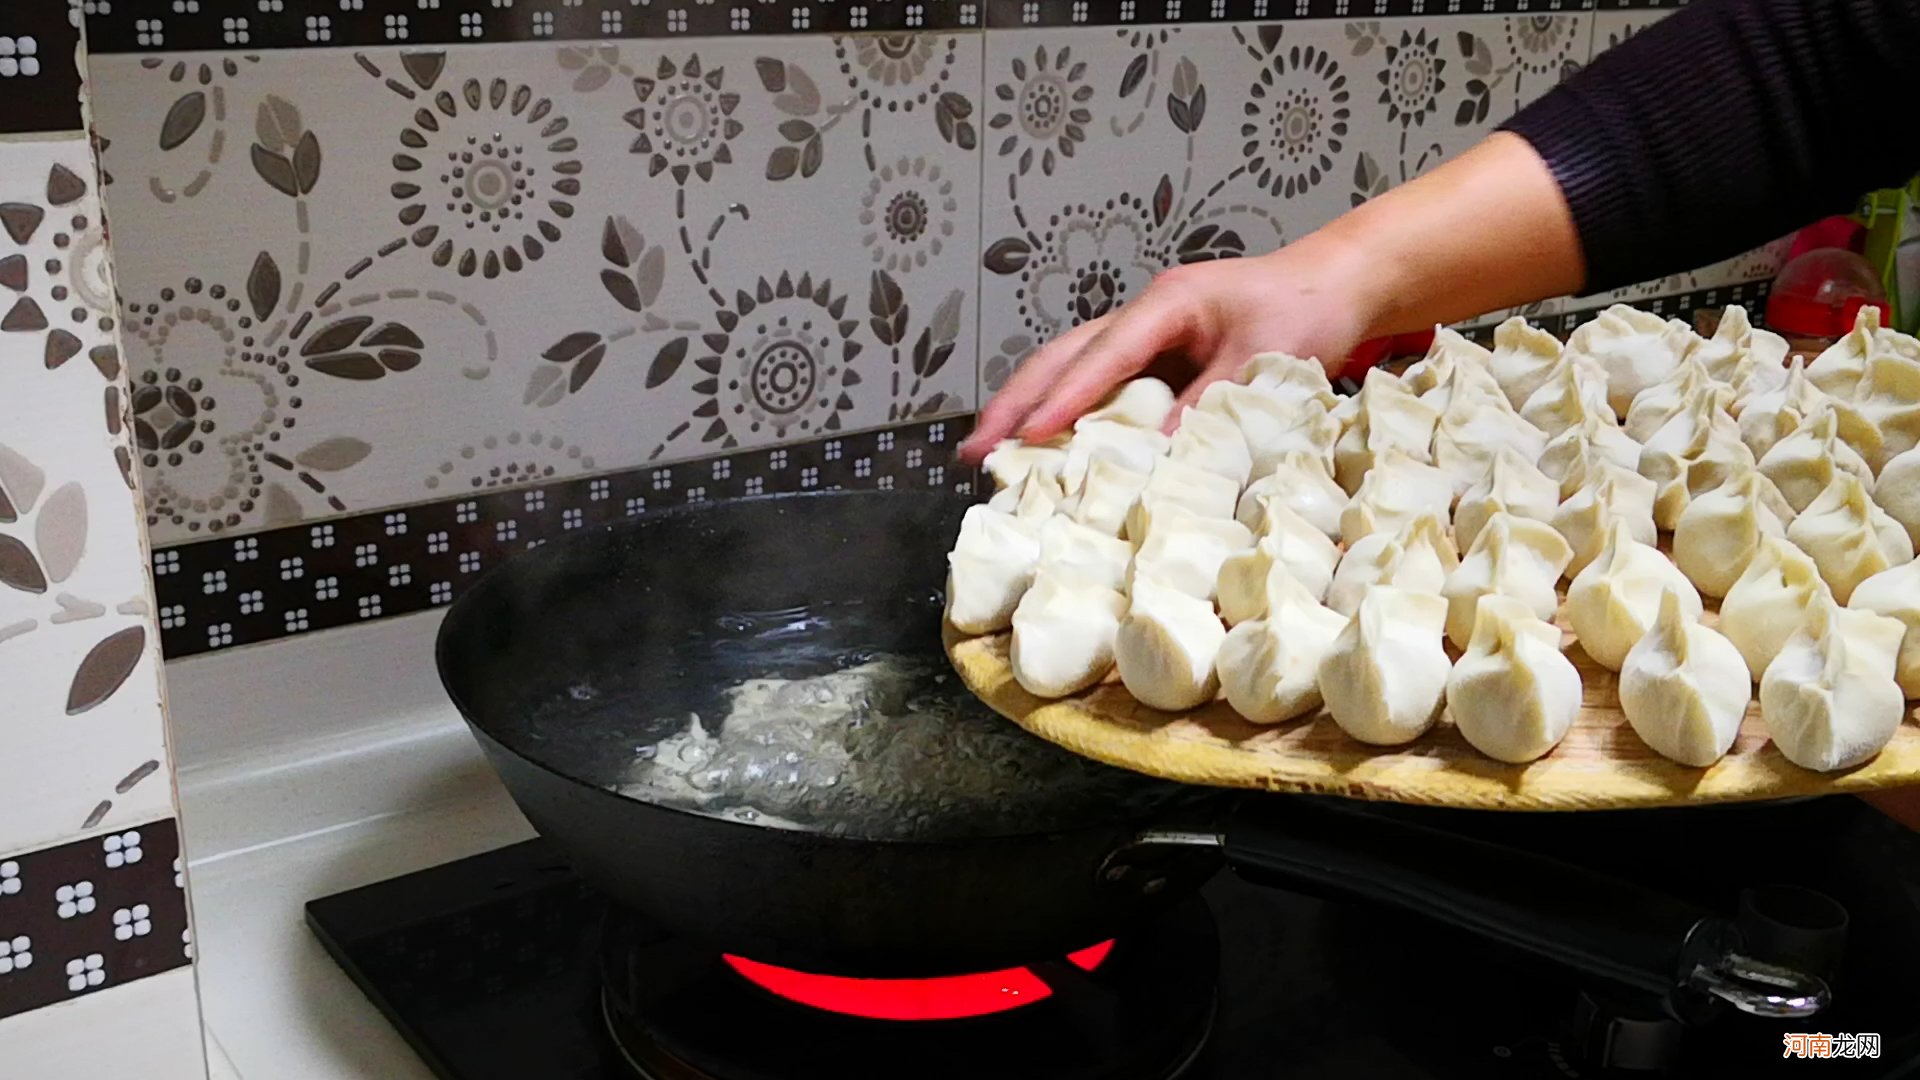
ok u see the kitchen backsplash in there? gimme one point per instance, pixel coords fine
(403, 280)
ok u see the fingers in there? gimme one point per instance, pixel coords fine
(1190, 396)
(1141, 331)
(1014, 401)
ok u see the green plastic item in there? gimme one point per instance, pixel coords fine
(1892, 220)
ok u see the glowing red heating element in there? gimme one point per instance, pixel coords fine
(954, 997)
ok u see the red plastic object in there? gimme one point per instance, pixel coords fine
(1834, 232)
(953, 997)
(1820, 293)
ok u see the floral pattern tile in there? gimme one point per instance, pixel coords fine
(642, 252)
(1114, 154)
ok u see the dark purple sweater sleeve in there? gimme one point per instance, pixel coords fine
(1726, 125)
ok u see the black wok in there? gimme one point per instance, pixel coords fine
(579, 658)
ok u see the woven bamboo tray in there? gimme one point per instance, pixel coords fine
(1601, 765)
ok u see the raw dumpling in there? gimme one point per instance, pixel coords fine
(1635, 348)
(1397, 490)
(1769, 417)
(1140, 403)
(1570, 456)
(1523, 357)
(1895, 593)
(1510, 485)
(1514, 557)
(1139, 449)
(1513, 695)
(1385, 676)
(1848, 537)
(1614, 600)
(1769, 602)
(1734, 342)
(1291, 377)
(1269, 667)
(1285, 542)
(1450, 351)
(1898, 492)
(1272, 425)
(1036, 496)
(1012, 459)
(1189, 487)
(1611, 495)
(1574, 390)
(1166, 647)
(1754, 374)
(1684, 688)
(1106, 494)
(1063, 634)
(1662, 401)
(1465, 380)
(1300, 484)
(1184, 551)
(1387, 416)
(1839, 369)
(989, 569)
(1473, 430)
(1703, 433)
(1418, 558)
(1214, 443)
(1804, 463)
(1072, 549)
(1721, 530)
(1889, 405)
(1831, 699)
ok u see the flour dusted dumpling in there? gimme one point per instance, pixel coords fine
(1614, 600)
(1513, 695)
(1139, 449)
(1418, 558)
(1523, 357)
(1721, 530)
(1387, 416)
(1895, 593)
(1514, 557)
(1611, 494)
(1178, 484)
(1184, 551)
(1214, 443)
(1737, 341)
(1269, 667)
(1684, 688)
(1769, 602)
(1635, 348)
(1848, 537)
(1071, 549)
(1063, 633)
(989, 569)
(1839, 369)
(1385, 676)
(1107, 492)
(1831, 700)
(1450, 351)
(1662, 401)
(1804, 463)
(1166, 647)
(1571, 456)
(1139, 403)
(1889, 404)
(1011, 460)
(1466, 381)
(1397, 490)
(1898, 492)
(1273, 426)
(1291, 377)
(1287, 542)
(1510, 485)
(1300, 483)
(1702, 433)
(1473, 431)
(1036, 496)
(1573, 391)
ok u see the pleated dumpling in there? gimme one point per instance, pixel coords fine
(1140, 403)
(1184, 551)
(1166, 647)
(1523, 357)
(1574, 390)
(1831, 700)
(1287, 542)
(1898, 492)
(1063, 633)
(1659, 403)
(1753, 374)
(1513, 695)
(1848, 537)
(1805, 462)
(1269, 667)
(1684, 688)
(1772, 415)
(1397, 490)
(1769, 602)
(1513, 557)
(1698, 446)
(1889, 403)
(1272, 425)
(1011, 460)
(1635, 348)
(1037, 496)
(1299, 482)
(1139, 449)
(1071, 549)
(1720, 531)
(1179, 484)
(989, 569)
(1895, 593)
(1734, 342)
(1291, 377)
(1451, 351)
(1387, 416)
(1107, 492)
(1418, 558)
(1473, 430)
(1571, 456)
(1611, 494)
(1511, 485)
(1214, 443)
(1464, 380)
(1385, 676)
(1840, 367)
(1614, 600)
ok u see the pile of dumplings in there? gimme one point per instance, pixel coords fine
(1291, 550)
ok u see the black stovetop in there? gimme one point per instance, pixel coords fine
(490, 966)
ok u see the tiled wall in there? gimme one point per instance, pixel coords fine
(93, 909)
(383, 258)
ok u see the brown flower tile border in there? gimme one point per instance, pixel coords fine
(85, 917)
(219, 594)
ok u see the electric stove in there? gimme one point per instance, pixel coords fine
(505, 966)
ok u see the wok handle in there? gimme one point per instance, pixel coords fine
(1588, 922)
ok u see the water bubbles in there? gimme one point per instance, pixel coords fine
(581, 692)
(736, 624)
